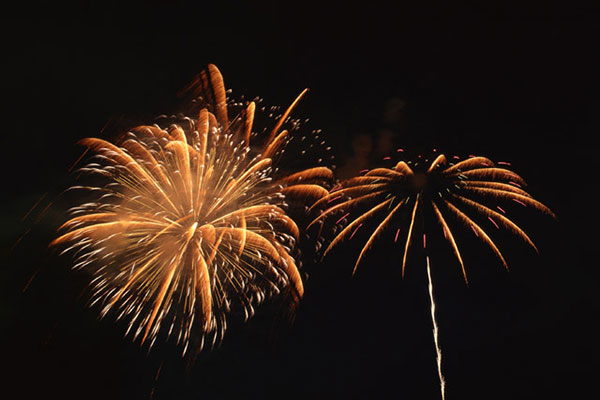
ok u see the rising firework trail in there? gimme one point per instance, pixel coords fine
(438, 349)
(472, 192)
(187, 221)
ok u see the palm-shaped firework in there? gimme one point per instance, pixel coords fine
(470, 192)
(189, 220)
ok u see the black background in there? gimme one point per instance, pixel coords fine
(514, 83)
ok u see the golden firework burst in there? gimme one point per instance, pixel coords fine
(189, 220)
(461, 191)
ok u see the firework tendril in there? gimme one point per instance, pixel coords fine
(190, 220)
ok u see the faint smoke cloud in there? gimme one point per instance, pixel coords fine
(369, 148)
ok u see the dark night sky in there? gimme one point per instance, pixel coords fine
(514, 83)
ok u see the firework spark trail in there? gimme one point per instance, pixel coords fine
(435, 331)
(190, 221)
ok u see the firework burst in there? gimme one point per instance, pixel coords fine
(472, 192)
(188, 221)
(453, 192)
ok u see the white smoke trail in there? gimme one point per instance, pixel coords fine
(435, 333)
